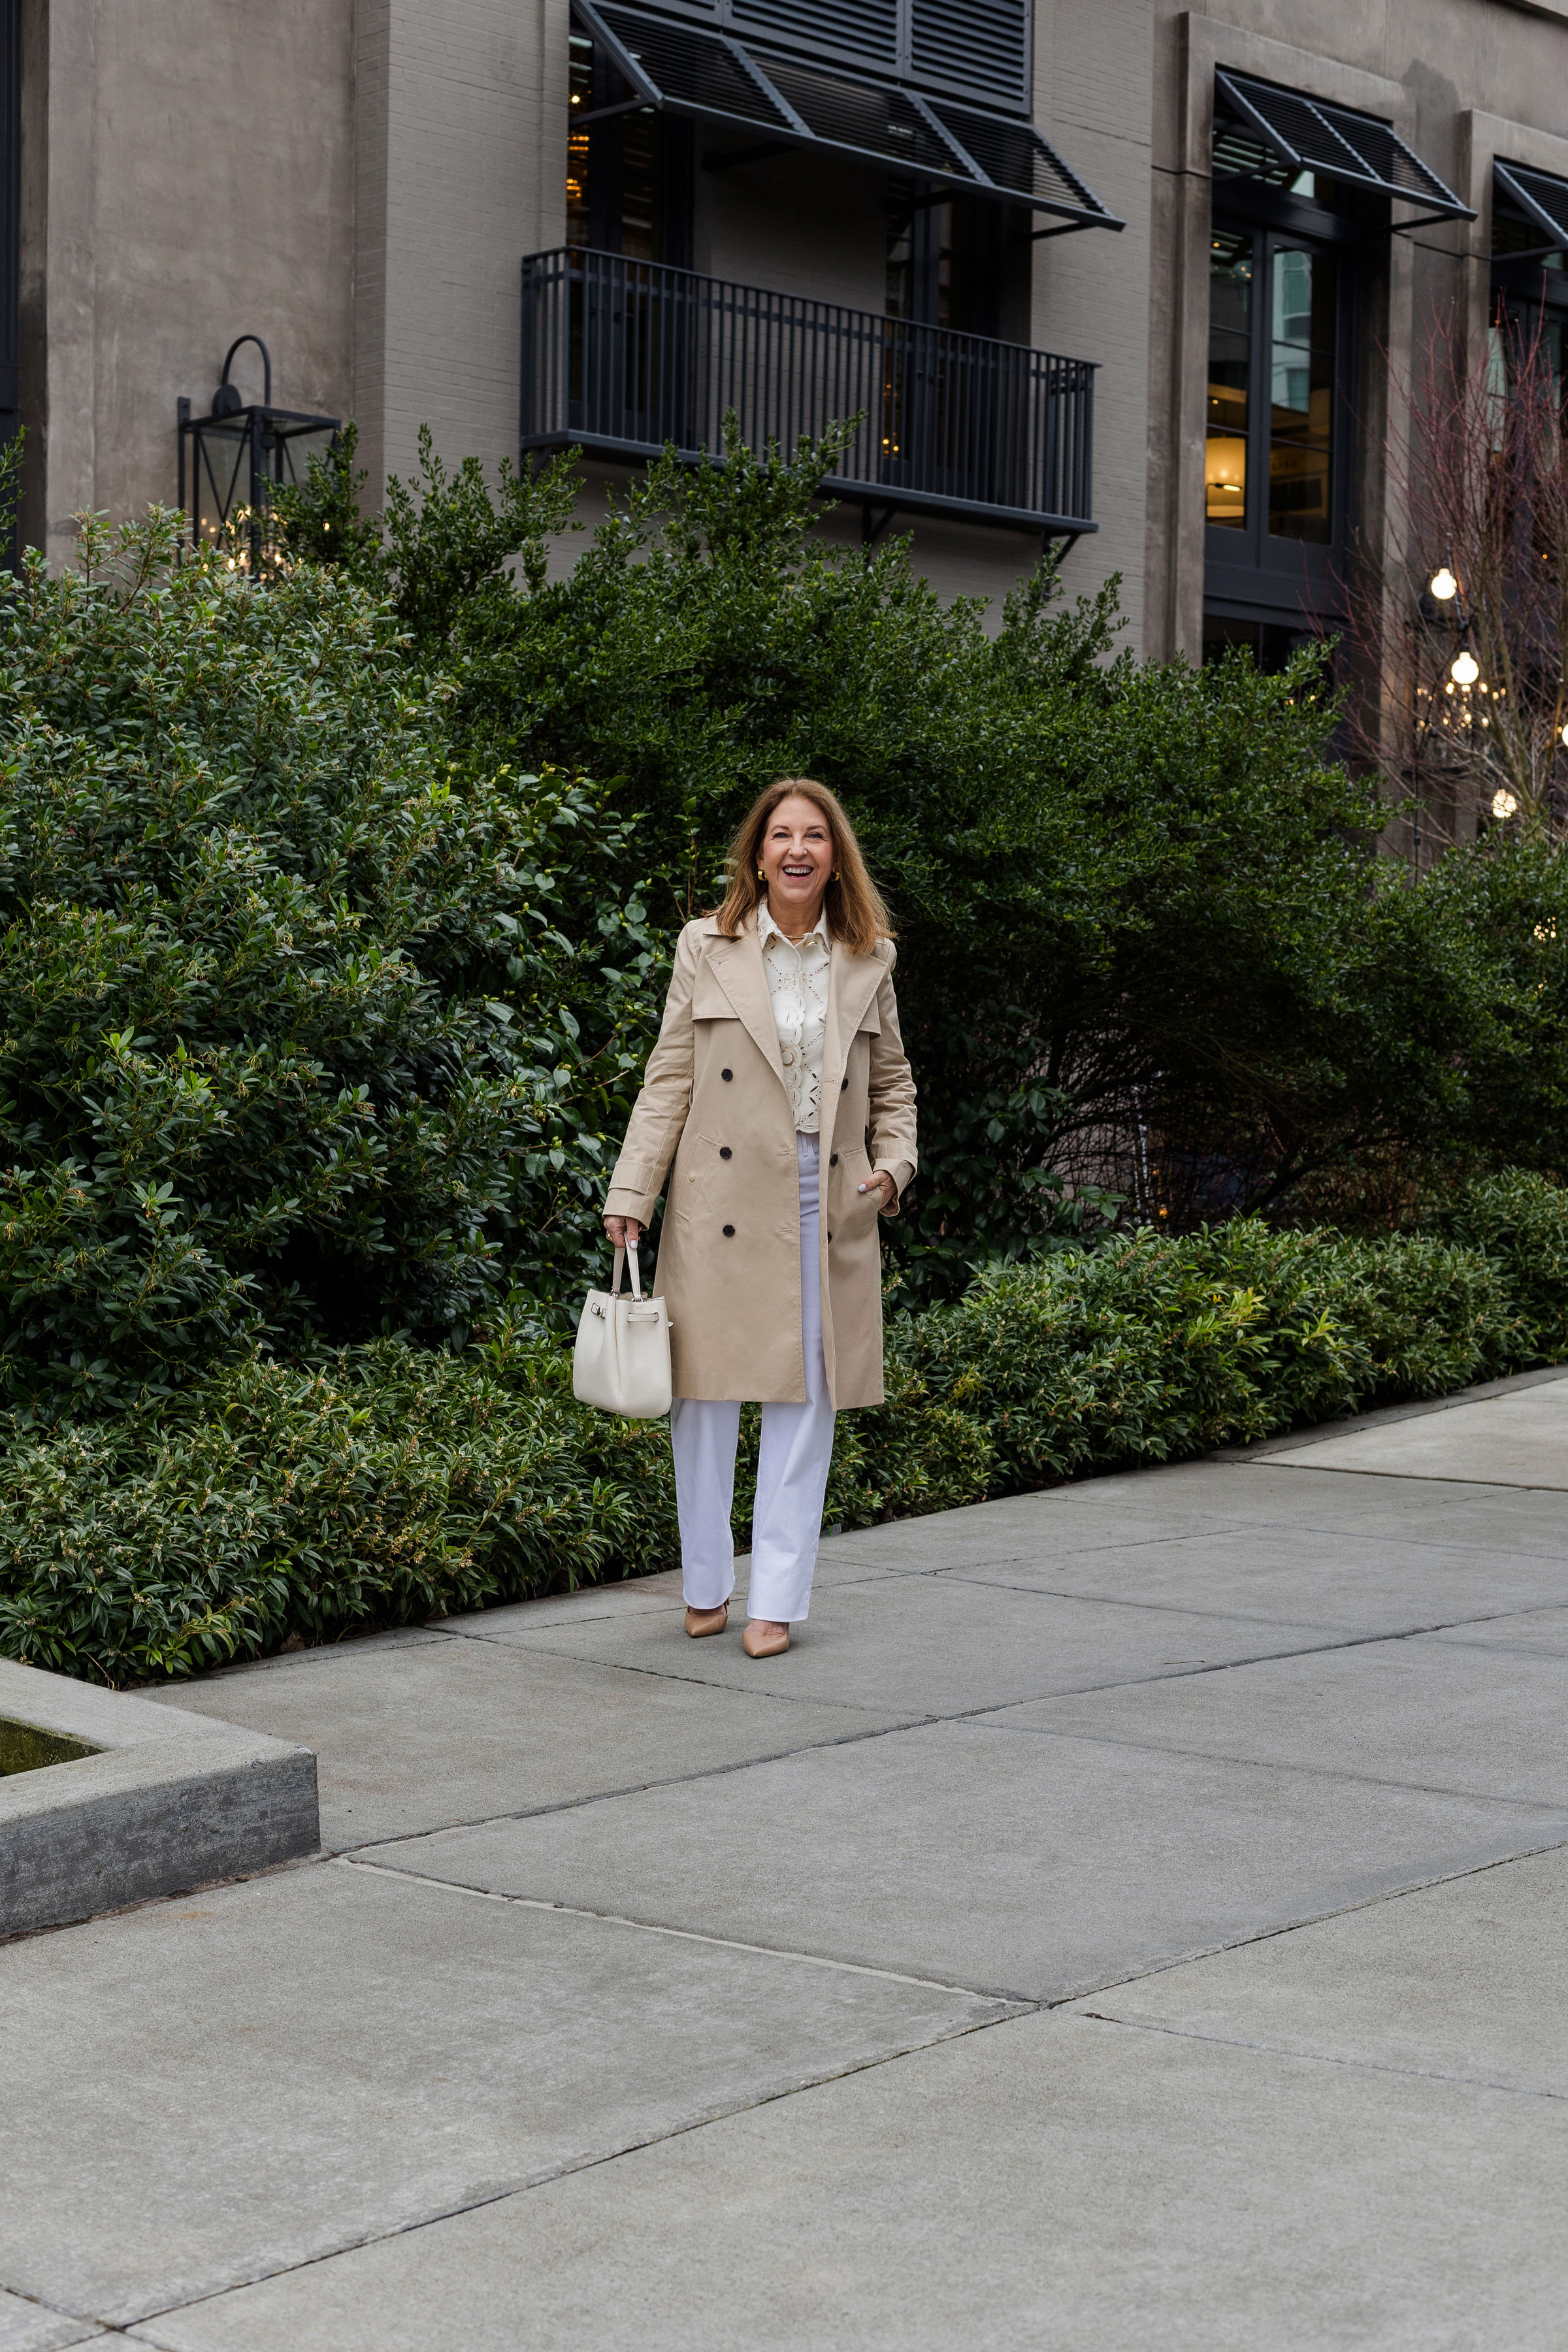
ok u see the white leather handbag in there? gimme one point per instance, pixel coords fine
(621, 1360)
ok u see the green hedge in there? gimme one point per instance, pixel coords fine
(389, 1483)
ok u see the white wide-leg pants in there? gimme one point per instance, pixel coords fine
(792, 1466)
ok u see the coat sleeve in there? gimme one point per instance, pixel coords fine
(660, 1112)
(890, 1096)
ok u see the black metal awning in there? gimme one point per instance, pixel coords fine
(1308, 134)
(1541, 197)
(687, 69)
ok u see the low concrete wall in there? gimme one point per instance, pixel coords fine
(164, 1801)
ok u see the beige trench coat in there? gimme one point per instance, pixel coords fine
(714, 1096)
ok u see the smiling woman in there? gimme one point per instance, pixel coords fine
(780, 1038)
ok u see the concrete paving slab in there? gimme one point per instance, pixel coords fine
(1518, 1440)
(203, 2092)
(1467, 1981)
(1421, 1713)
(1298, 1492)
(452, 1728)
(27, 2326)
(647, 1593)
(1023, 1526)
(1543, 1633)
(1052, 2185)
(1358, 1583)
(1277, 1490)
(1015, 1864)
(908, 1645)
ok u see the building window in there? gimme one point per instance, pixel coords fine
(1279, 453)
(1304, 192)
(629, 175)
(1230, 378)
(960, 263)
(1271, 643)
(1273, 406)
(1530, 278)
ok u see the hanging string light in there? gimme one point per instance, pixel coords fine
(1465, 668)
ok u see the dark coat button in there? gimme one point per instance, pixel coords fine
(833, 1159)
(830, 1236)
(724, 1151)
(729, 1074)
(843, 1086)
(729, 1229)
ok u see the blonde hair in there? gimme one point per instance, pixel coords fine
(852, 902)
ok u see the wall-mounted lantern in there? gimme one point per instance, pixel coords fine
(235, 457)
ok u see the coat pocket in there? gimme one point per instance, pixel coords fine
(856, 1210)
(696, 1167)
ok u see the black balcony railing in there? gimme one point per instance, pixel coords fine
(624, 357)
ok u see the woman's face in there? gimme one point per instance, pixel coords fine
(797, 858)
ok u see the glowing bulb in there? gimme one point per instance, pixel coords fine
(1465, 668)
(1503, 804)
(1443, 584)
(1566, 734)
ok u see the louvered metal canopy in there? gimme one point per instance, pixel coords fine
(687, 69)
(977, 50)
(1541, 197)
(1309, 135)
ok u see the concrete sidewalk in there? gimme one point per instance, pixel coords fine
(1130, 1916)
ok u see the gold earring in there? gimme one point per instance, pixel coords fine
(833, 876)
(761, 875)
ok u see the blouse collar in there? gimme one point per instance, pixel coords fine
(768, 927)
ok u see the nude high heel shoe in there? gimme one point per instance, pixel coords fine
(702, 1622)
(757, 1643)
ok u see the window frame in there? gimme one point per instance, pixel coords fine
(1526, 285)
(1248, 574)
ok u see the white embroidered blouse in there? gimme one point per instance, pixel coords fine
(798, 983)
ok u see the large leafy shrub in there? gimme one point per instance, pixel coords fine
(301, 1010)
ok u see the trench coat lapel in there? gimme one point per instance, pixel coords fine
(852, 982)
(737, 965)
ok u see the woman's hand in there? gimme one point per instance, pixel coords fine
(882, 1184)
(624, 1232)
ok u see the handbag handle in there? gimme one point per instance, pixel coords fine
(636, 1274)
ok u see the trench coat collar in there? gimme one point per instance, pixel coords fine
(852, 981)
(737, 965)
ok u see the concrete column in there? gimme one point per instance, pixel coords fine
(1091, 292)
(59, 276)
(460, 169)
(186, 178)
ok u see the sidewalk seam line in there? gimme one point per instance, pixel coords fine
(1318, 2057)
(685, 1935)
